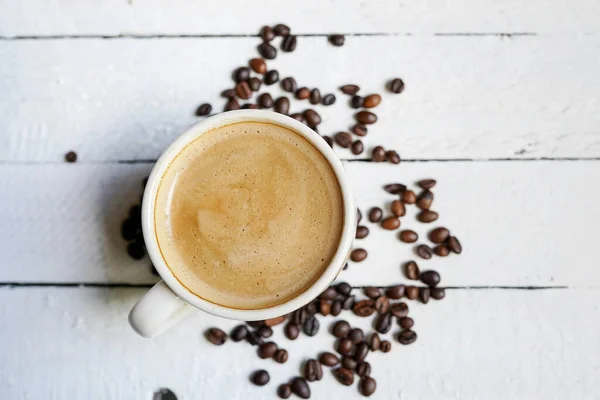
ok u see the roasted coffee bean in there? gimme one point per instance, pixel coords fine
(396, 85)
(409, 197)
(130, 229)
(365, 117)
(267, 51)
(243, 90)
(363, 369)
(267, 34)
(239, 333)
(408, 236)
(390, 223)
(341, 329)
(427, 183)
(357, 147)
(438, 293)
(424, 200)
(329, 359)
(359, 130)
(399, 310)
(258, 65)
(312, 371)
(315, 96)
(275, 321)
(375, 214)
(395, 188)
(392, 157)
(256, 324)
(324, 307)
(266, 350)
(348, 303)
(284, 391)
(312, 117)
(281, 30)
(280, 356)
(203, 110)
(398, 208)
(367, 386)
(328, 140)
(282, 105)
(298, 117)
(424, 294)
(249, 106)
(288, 44)
(382, 305)
(254, 84)
(439, 235)
(265, 332)
(454, 245)
(311, 308)
(406, 322)
(216, 336)
(292, 331)
(361, 351)
(241, 74)
(265, 100)
(300, 388)
(378, 154)
(430, 278)
(329, 294)
(372, 101)
(311, 326)
(349, 363)
(253, 338)
(412, 292)
(232, 104)
(302, 93)
(395, 292)
(383, 323)
(362, 232)
(336, 308)
(350, 89)
(424, 251)
(386, 346)
(343, 139)
(344, 376)
(411, 270)
(228, 93)
(136, 250)
(343, 288)
(271, 77)
(407, 337)
(427, 216)
(374, 342)
(299, 316)
(328, 99)
(356, 101)
(345, 347)
(337, 40)
(260, 377)
(364, 308)
(372, 292)
(289, 85)
(356, 335)
(358, 255)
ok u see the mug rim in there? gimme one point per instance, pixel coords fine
(194, 132)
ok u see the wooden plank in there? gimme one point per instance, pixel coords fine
(520, 223)
(465, 97)
(111, 17)
(507, 344)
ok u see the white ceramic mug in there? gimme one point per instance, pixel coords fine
(168, 301)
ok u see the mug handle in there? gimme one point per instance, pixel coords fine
(157, 311)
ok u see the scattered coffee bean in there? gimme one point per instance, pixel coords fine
(302, 93)
(275, 321)
(372, 101)
(136, 250)
(386, 346)
(424, 294)
(216, 336)
(256, 324)
(396, 292)
(254, 84)
(315, 96)
(343, 139)
(325, 307)
(390, 223)
(243, 90)
(311, 308)
(292, 331)
(375, 214)
(378, 154)
(382, 305)
(375, 342)
(241, 74)
(312, 117)
(228, 93)
(409, 197)
(396, 85)
(258, 65)
(393, 157)
(439, 235)
(328, 140)
(265, 100)
(289, 85)
(349, 363)
(358, 255)
(336, 308)
(357, 147)
(363, 369)
(406, 322)
(284, 391)
(239, 333)
(265, 332)
(383, 323)
(203, 110)
(430, 278)
(267, 34)
(253, 338)
(395, 188)
(329, 294)
(399, 310)
(424, 200)
(71, 157)
(372, 292)
(359, 130)
(337, 40)
(341, 329)
(299, 117)
(232, 104)
(407, 337)
(280, 356)
(249, 106)
(348, 303)
(131, 228)
(311, 326)
(356, 335)
(282, 105)
(271, 77)
(364, 308)
(427, 183)
(427, 216)
(344, 376)
(424, 251)
(408, 236)
(267, 51)
(329, 359)
(438, 293)
(288, 44)
(345, 347)
(356, 101)
(260, 377)
(454, 245)
(328, 99)
(398, 208)
(365, 117)
(361, 351)
(313, 371)
(412, 292)
(367, 386)
(266, 350)
(350, 89)
(362, 232)
(300, 388)
(281, 30)
(343, 288)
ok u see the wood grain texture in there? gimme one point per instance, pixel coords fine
(113, 17)
(520, 223)
(465, 97)
(494, 344)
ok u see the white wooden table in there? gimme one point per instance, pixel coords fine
(502, 106)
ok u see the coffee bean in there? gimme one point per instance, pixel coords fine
(396, 85)
(267, 51)
(254, 84)
(71, 157)
(260, 377)
(357, 147)
(378, 154)
(292, 331)
(315, 96)
(241, 74)
(302, 93)
(243, 90)
(324, 307)
(406, 322)
(256, 324)
(131, 228)
(454, 245)
(345, 347)
(367, 386)
(408, 236)
(228, 93)
(430, 278)
(363, 369)
(300, 388)
(350, 89)
(386, 346)
(372, 292)
(372, 101)
(390, 223)
(258, 65)
(232, 104)
(398, 208)
(343, 139)
(203, 110)
(336, 308)
(424, 200)
(409, 197)
(358, 255)
(281, 30)
(288, 44)
(216, 336)
(427, 183)
(343, 288)
(311, 326)
(349, 363)
(311, 308)
(356, 335)
(337, 40)
(395, 188)
(392, 157)
(407, 337)
(424, 251)
(375, 214)
(239, 333)
(265, 332)
(383, 323)
(356, 101)
(341, 329)
(282, 105)
(312, 371)
(280, 356)
(359, 130)
(424, 294)
(364, 308)
(361, 351)
(253, 338)
(374, 342)
(249, 106)
(344, 376)
(265, 100)
(267, 34)
(362, 232)
(266, 350)
(399, 310)
(275, 321)
(284, 391)
(396, 292)
(412, 292)
(439, 235)
(382, 305)
(136, 250)
(348, 303)
(289, 85)
(329, 359)
(312, 118)
(365, 117)
(438, 293)
(328, 294)
(358, 216)
(271, 77)
(299, 117)
(427, 216)
(328, 99)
